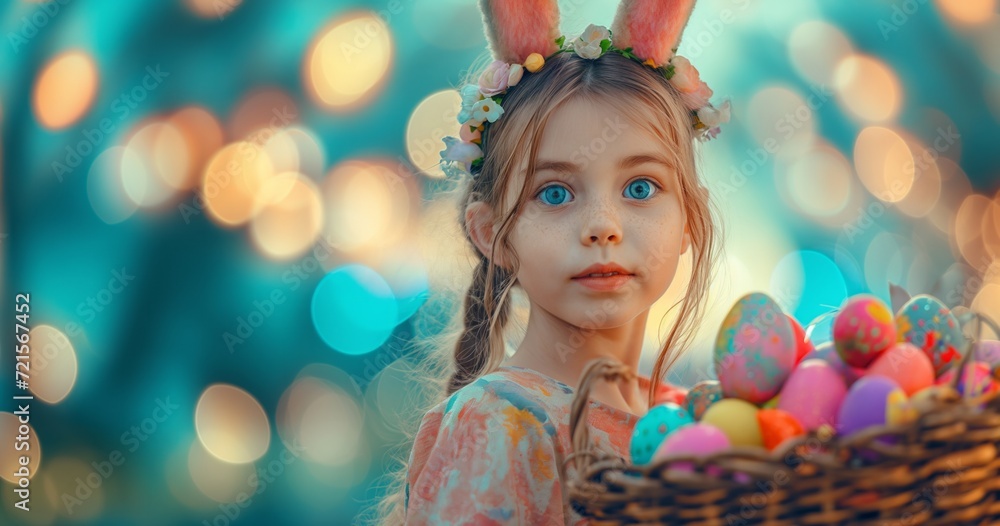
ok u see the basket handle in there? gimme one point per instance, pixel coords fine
(982, 322)
(606, 369)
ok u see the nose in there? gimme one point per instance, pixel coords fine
(602, 227)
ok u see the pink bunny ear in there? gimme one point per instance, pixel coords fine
(518, 28)
(652, 28)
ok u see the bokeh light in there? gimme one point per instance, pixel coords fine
(322, 419)
(53, 364)
(203, 137)
(818, 183)
(968, 11)
(815, 48)
(353, 309)
(233, 178)
(218, 480)
(106, 183)
(10, 456)
(231, 424)
(969, 230)
(162, 149)
(868, 88)
(212, 9)
(884, 163)
(290, 216)
(348, 61)
(807, 284)
(464, 23)
(782, 119)
(65, 89)
(260, 114)
(369, 205)
(434, 118)
(74, 488)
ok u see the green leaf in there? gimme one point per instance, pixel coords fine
(605, 44)
(561, 40)
(477, 163)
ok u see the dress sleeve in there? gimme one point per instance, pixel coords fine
(484, 462)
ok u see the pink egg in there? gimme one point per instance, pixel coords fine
(813, 394)
(977, 380)
(828, 353)
(866, 404)
(909, 366)
(694, 439)
(863, 330)
(754, 350)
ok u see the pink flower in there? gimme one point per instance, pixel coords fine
(516, 72)
(699, 98)
(686, 78)
(495, 79)
(467, 135)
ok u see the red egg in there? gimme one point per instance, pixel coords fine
(802, 344)
(908, 365)
(863, 329)
(777, 426)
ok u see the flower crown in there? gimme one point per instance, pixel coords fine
(482, 102)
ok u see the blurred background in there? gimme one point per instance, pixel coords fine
(225, 215)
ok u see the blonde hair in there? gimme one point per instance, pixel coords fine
(646, 98)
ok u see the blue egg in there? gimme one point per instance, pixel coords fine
(653, 428)
(927, 323)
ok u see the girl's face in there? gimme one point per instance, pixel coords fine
(603, 194)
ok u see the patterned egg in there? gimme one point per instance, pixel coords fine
(702, 395)
(862, 330)
(737, 419)
(777, 426)
(927, 323)
(828, 353)
(905, 364)
(697, 439)
(755, 349)
(866, 404)
(802, 344)
(977, 380)
(988, 351)
(813, 394)
(654, 427)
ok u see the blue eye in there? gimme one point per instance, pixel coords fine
(554, 195)
(640, 189)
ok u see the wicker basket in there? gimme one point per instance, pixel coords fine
(941, 469)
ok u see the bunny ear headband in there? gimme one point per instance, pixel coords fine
(523, 33)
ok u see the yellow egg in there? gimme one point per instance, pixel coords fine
(737, 419)
(898, 409)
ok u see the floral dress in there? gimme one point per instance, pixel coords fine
(490, 453)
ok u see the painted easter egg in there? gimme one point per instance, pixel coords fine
(862, 330)
(813, 394)
(977, 380)
(754, 350)
(698, 439)
(907, 365)
(737, 419)
(988, 351)
(866, 404)
(702, 395)
(802, 344)
(898, 409)
(828, 353)
(654, 427)
(777, 426)
(927, 323)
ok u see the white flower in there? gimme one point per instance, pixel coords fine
(713, 117)
(588, 44)
(516, 72)
(460, 151)
(470, 95)
(486, 109)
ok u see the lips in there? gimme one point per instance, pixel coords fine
(600, 270)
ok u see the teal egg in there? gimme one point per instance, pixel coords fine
(702, 395)
(653, 428)
(927, 323)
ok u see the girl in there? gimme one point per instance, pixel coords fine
(582, 192)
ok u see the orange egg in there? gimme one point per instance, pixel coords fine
(777, 426)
